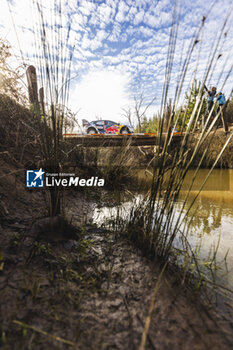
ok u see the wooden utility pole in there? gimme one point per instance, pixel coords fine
(32, 86)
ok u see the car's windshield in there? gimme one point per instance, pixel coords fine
(99, 122)
(104, 122)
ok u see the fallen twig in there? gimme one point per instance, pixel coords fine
(43, 332)
(152, 304)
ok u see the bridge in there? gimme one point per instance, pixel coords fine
(107, 140)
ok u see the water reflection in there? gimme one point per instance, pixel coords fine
(212, 217)
(212, 213)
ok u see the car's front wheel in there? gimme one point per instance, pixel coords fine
(91, 131)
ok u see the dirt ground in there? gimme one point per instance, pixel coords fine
(90, 293)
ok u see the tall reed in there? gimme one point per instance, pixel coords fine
(54, 50)
(155, 223)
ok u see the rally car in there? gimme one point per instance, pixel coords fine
(105, 127)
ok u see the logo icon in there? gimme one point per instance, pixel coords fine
(35, 178)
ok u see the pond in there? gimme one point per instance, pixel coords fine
(212, 213)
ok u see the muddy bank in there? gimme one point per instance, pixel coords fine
(215, 142)
(89, 293)
(94, 292)
(105, 157)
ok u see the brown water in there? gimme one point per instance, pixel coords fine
(213, 219)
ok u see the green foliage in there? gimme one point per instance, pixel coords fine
(229, 110)
(184, 113)
(9, 77)
(84, 245)
(42, 248)
(148, 125)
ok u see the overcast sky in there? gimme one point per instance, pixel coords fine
(121, 47)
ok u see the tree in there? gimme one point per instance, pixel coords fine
(67, 120)
(140, 111)
(229, 110)
(152, 125)
(184, 113)
(128, 114)
(10, 84)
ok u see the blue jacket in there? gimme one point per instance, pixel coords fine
(221, 100)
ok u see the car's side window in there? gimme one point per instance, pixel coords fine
(100, 123)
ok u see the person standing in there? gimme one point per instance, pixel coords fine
(211, 95)
(221, 109)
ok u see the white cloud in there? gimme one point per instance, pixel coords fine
(79, 19)
(101, 35)
(126, 37)
(139, 17)
(116, 32)
(151, 20)
(101, 94)
(122, 11)
(106, 12)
